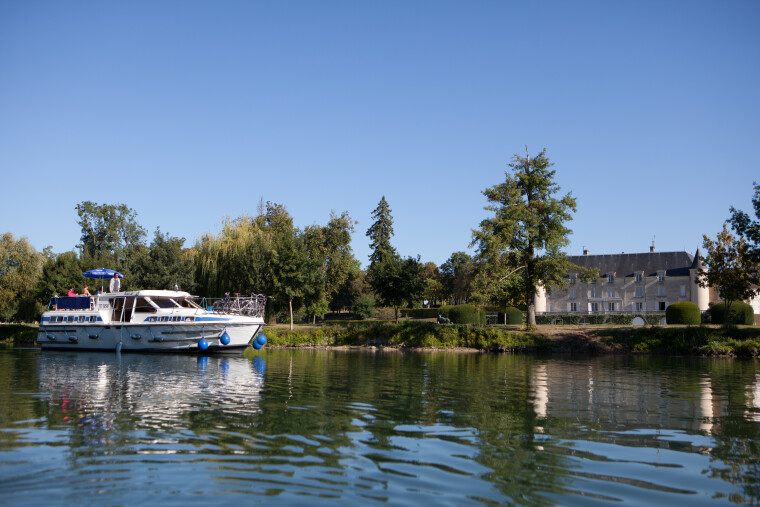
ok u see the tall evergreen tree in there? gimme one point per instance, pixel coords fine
(380, 233)
(528, 228)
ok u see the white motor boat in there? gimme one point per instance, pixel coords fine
(151, 320)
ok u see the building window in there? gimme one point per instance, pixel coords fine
(611, 278)
(611, 307)
(572, 279)
(573, 294)
(638, 307)
(595, 307)
(662, 306)
(573, 307)
(594, 292)
(683, 291)
(610, 293)
(660, 292)
(638, 292)
(661, 276)
(637, 276)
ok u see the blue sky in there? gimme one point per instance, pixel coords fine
(190, 111)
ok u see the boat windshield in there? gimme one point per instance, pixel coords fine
(164, 302)
(187, 303)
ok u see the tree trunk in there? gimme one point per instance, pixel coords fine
(290, 304)
(726, 313)
(531, 321)
(395, 308)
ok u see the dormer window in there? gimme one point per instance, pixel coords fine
(611, 278)
(572, 279)
(637, 277)
(660, 276)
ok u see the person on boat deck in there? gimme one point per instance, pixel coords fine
(86, 291)
(71, 293)
(115, 283)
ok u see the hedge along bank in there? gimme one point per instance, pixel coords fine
(677, 340)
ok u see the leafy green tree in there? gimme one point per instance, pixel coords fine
(267, 254)
(457, 273)
(747, 228)
(108, 230)
(329, 251)
(380, 233)
(494, 284)
(434, 290)
(729, 268)
(397, 281)
(295, 276)
(364, 307)
(58, 274)
(351, 289)
(20, 268)
(528, 228)
(162, 266)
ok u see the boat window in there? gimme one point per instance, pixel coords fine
(143, 305)
(187, 303)
(189, 319)
(164, 302)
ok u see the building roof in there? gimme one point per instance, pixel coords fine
(650, 263)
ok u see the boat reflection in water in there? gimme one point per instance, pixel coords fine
(128, 392)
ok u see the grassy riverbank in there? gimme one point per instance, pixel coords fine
(674, 340)
(18, 334)
(742, 341)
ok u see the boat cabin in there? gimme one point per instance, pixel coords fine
(133, 307)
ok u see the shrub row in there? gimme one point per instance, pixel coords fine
(458, 314)
(408, 334)
(620, 319)
(693, 340)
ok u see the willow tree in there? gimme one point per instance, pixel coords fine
(527, 232)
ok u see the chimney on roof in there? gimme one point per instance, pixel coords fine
(651, 248)
(585, 251)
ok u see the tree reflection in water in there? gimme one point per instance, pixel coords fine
(391, 426)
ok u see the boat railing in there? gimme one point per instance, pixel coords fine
(71, 303)
(251, 306)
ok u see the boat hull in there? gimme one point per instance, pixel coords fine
(140, 337)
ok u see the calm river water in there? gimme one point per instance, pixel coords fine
(356, 427)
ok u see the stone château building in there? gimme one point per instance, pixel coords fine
(627, 283)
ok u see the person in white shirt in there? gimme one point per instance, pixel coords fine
(115, 283)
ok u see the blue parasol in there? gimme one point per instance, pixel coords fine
(101, 273)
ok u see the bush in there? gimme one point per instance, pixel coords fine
(364, 307)
(741, 313)
(683, 312)
(465, 314)
(513, 315)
